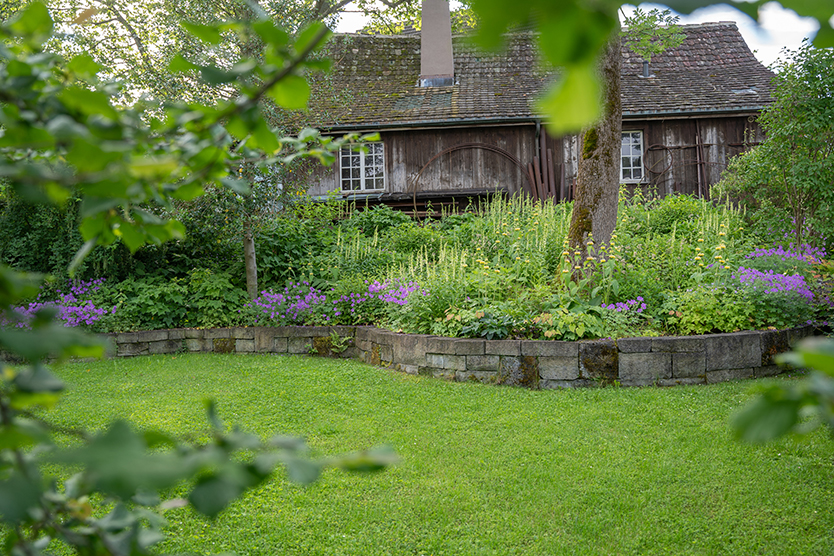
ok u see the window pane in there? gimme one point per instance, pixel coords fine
(354, 172)
(354, 160)
(378, 160)
(636, 162)
(345, 172)
(626, 173)
(625, 162)
(638, 173)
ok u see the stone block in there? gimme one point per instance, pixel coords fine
(213, 333)
(444, 374)
(768, 370)
(427, 371)
(486, 377)
(223, 345)
(299, 345)
(409, 349)
(469, 347)
(726, 375)
(796, 335)
(634, 345)
(482, 363)
(176, 334)
(738, 350)
(445, 361)
(280, 344)
(679, 344)
(165, 346)
(350, 353)
(344, 331)
(598, 361)
(549, 348)
(558, 368)
(408, 369)
(244, 346)
(519, 371)
(364, 333)
(152, 335)
(194, 333)
(386, 355)
(503, 347)
(642, 369)
(132, 348)
(194, 344)
(127, 337)
(362, 344)
(243, 333)
(439, 344)
(774, 342)
(689, 365)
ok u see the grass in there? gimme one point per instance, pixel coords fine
(484, 470)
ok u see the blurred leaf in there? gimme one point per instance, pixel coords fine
(572, 103)
(308, 35)
(32, 22)
(375, 459)
(37, 379)
(206, 33)
(18, 494)
(766, 418)
(88, 102)
(180, 64)
(270, 34)
(213, 493)
(83, 65)
(292, 92)
(303, 471)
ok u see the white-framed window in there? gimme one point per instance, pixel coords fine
(363, 171)
(631, 157)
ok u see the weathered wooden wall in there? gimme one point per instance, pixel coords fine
(407, 152)
(671, 149)
(680, 156)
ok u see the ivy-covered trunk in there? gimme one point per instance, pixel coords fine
(598, 174)
(250, 259)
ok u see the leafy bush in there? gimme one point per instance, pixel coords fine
(375, 220)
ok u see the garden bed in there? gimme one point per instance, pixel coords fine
(535, 364)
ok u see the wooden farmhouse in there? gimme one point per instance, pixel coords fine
(462, 123)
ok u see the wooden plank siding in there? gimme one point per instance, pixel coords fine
(671, 157)
(671, 150)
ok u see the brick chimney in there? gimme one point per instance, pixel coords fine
(437, 68)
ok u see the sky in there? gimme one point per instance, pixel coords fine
(778, 28)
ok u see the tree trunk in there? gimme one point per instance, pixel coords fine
(598, 172)
(250, 260)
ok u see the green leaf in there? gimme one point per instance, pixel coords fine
(216, 76)
(33, 21)
(270, 34)
(88, 102)
(179, 64)
(572, 103)
(206, 33)
(37, 379)
(292, 92)
(308, 35)
(83, 66)
(18, 494)
(159, 168)
(765, 418)
(213, 493)
(303, 471)
(238, 186)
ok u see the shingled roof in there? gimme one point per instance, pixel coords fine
(373, 84)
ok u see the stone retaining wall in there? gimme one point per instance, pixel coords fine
(663, 361)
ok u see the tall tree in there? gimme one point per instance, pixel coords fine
(598, 173)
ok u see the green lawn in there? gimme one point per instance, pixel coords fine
(484, 470)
